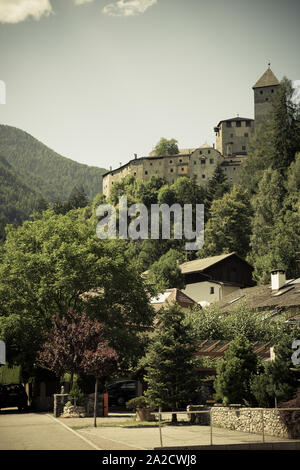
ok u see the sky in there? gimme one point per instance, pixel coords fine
(101, 80)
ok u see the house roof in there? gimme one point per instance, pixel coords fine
(214, 348)
(262, 297)
(267, 79)
(170, 296)
(204, 263)
(236, 118)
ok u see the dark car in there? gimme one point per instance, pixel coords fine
(122, 391)
(12, 395)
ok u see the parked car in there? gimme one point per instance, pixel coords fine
(122, 391)
(12, 395)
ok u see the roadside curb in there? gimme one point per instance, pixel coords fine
(74, 432)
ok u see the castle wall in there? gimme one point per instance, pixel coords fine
(232, 136)
(263, 98)
(200, 164)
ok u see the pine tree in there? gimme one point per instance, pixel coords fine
(275, 226)
(277, 381)
(170, 364)
(228, 228)
(274, 145)
(217, 186)
(234, 373)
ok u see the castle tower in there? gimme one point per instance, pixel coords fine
(264, 90)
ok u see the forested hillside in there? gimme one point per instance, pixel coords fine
(17, 200)
(31, 175)
(43, 170)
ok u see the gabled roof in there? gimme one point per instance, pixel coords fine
(204, 263)
(169, 297)
(267, 79)
(263, 298)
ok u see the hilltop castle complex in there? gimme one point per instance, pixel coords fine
(230, 150)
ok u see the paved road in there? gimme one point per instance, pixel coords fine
(40, 431)
(37, 431)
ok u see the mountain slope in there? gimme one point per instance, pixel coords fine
(43, 170)
(17, 200)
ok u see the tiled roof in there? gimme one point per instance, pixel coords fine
(267, 79)
(204, 263)
(170, 296)
(217, 348)
(262, 297)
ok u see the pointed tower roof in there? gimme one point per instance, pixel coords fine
(267, 79)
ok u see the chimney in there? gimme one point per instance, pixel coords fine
(278, 279)
(213, 145)
(110, 168)
(135, 156)
(120, 163)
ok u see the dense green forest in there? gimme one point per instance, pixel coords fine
(31, 172)
(17, 200)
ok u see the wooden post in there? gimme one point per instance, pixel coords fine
(95, 402)
(210, 414)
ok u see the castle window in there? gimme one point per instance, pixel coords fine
(146, 172)
(272, 91)
(200, 152)
(203, 161)
(212, 290)
(150, 164)
(171, 170)
(238, 123)
(248, 123)
(203, 176)
(246, 134)
(182, 169)
(244, 147)
(261, 92)
(208, 151)
(195, 163)
(171, 161)
(134, 174)
(231, 135)
(180, 160)
(211, 161)
(228, 124)
(267, 99)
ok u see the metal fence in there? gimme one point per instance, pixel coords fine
(263, 434)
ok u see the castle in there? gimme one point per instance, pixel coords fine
(230, 150)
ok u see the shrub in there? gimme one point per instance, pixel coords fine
(77, 395)
(138, 402)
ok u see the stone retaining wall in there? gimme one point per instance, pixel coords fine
(255, 420)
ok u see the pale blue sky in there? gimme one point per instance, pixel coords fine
(98, 88)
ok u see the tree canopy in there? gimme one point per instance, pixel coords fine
(166, 147)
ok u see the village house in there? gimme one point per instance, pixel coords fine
(210, 279)
(280, 296)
